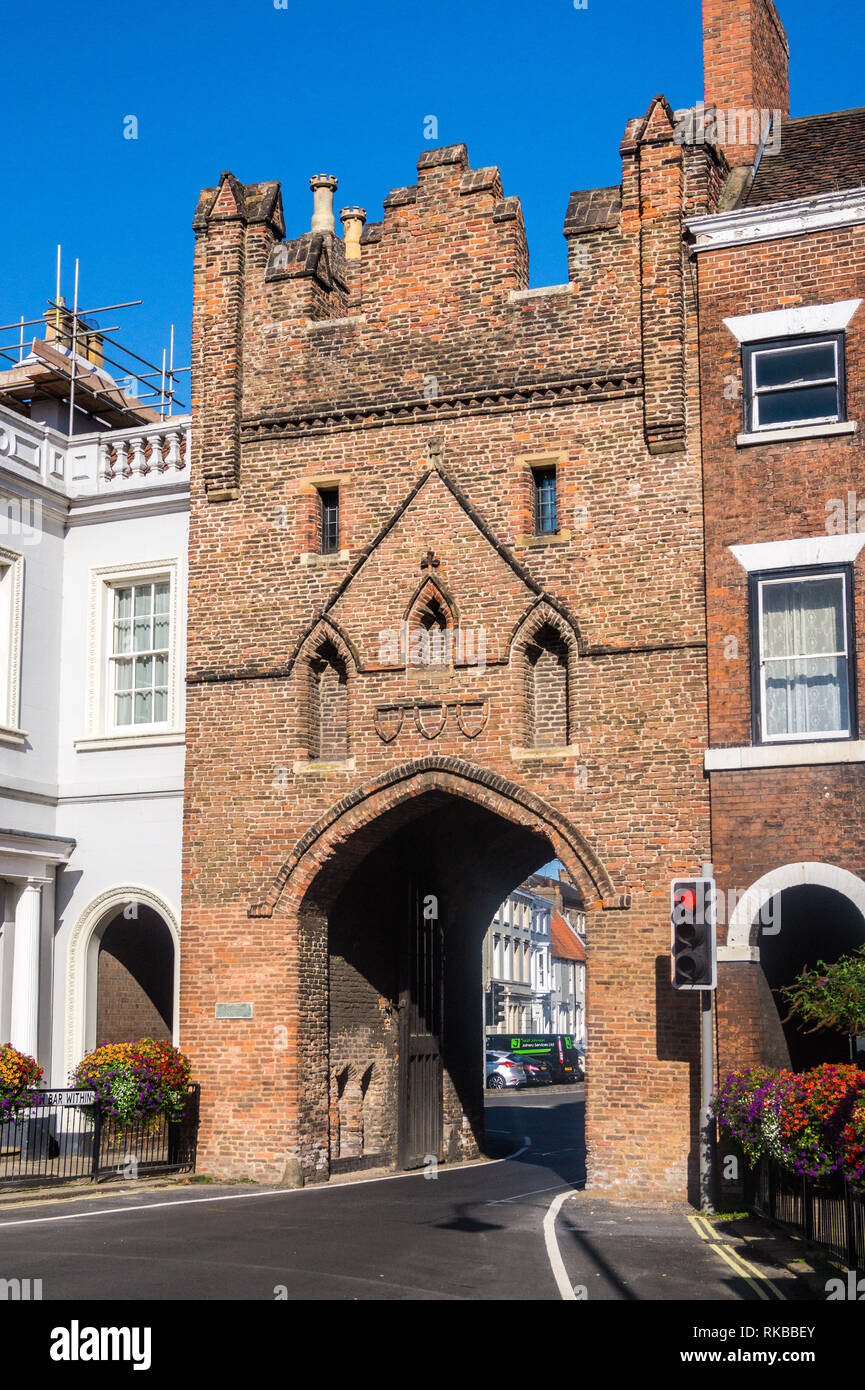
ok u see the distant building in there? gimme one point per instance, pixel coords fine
(568, 997)
(517, 966)
(568, 932)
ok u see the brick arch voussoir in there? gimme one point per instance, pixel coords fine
(544, 613)
(428, 587)
(335, 830)
(321, 629)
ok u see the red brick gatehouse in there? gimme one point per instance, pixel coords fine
(448, 621)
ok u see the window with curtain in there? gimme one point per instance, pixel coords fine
(804, 656)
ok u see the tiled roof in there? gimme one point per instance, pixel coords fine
(565, 944)
(817, 154)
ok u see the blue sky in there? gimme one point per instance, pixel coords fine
(541, 89)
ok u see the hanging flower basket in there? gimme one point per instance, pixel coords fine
(18, 1075)
(136, 1082)
(811, 1123)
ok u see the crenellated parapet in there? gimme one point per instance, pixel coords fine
(428, 310)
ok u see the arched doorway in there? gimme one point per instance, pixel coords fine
(816, 923)
(788, 920)
(135, 979)
(123, 973)
(392, 894)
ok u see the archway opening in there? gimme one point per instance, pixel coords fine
(405, 904)
(135, 978)
(805, 924)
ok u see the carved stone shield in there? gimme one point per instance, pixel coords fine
(388, 721)
(472, 716)
(430, 719)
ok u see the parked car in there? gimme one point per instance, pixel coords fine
(581, 1063)
(504, 1070)
(538, 1072)
(555, 1050)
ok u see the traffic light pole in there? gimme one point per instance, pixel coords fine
(693, 966)
(707, 1085)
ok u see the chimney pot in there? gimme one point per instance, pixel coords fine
(323, 188)
(352, 220)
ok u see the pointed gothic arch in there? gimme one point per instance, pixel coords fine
(403, 786)
(547, 649)
(321, 664)
(431, 620)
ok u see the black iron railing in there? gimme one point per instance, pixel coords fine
(827, 1211)
(62, 1135)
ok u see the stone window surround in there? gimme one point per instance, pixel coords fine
(802, 321)
(806, 552)
(12, 615)
(526, 464)
(309, 487)
(99, 733)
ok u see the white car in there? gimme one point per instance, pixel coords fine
(504, 1070)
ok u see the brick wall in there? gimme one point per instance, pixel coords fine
(124, 1009)
(770, 817)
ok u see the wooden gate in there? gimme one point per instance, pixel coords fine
(420, 1002)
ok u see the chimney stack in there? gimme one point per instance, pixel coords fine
(323, 188)
(58, 324)
(352, 220)
(746, 60)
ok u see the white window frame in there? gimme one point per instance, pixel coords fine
(808, 736)
(101, 731)
(11, 627)
(116, 659)
(776, 349)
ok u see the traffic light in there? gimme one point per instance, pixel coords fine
(693, 955)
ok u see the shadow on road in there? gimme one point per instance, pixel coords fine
(554, 1123)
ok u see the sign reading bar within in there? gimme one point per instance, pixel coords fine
(234, 1011)
(65, 1098)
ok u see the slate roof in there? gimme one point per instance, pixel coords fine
(817, 154)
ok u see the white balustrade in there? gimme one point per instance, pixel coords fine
(149, 455)
(138, 462)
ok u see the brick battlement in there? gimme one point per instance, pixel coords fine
(435, 310)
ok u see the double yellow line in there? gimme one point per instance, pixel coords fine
(759, 1282)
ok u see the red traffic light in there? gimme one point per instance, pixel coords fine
(687, 899)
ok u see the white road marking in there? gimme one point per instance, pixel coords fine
(248, 1196)
(557, 1264)
(533, 1192)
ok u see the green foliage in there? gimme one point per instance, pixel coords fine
(830, 997)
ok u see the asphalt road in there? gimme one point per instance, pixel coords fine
(511, 1229)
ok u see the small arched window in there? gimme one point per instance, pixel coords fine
(328, 705)
(548, 689)
(431, 629)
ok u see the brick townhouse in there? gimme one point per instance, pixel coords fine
(780, 273)
(448, 620)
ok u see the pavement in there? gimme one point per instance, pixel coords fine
(515, 1228)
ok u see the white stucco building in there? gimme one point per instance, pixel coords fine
(517, 966)
(93, 540)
